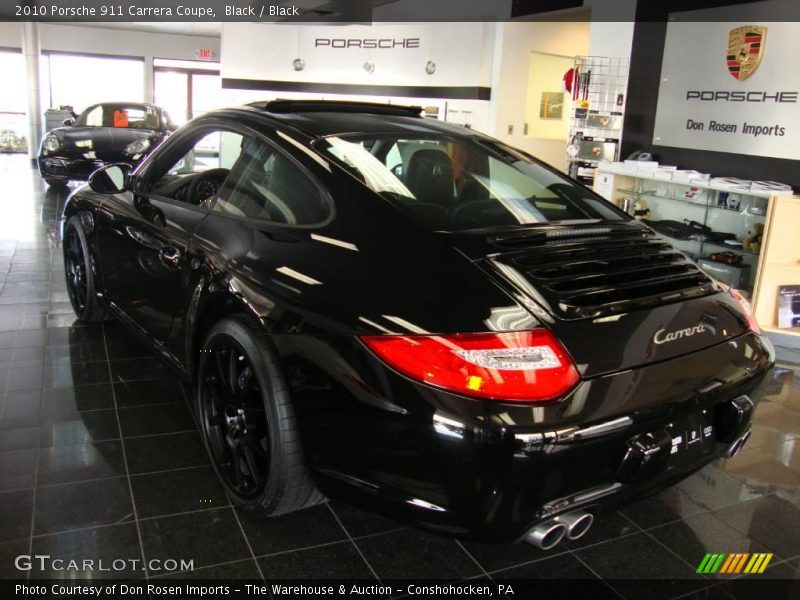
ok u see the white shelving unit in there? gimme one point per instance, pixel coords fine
(738, 213)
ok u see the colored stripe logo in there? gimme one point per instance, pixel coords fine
(733, 563)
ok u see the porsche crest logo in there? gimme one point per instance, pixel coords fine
(745, 49)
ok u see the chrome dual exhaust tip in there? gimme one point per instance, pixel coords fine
(737, 445)
(547, 535)
(577, 523)
(550, 533)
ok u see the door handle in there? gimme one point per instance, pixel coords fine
(140, 237)
(170, 255)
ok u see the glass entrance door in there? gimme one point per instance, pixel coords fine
(187, 89)
(171, 92)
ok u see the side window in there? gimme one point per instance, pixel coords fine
(95, 117)
(197, 167)
(394, 158)
(266, 185)
(216, 150)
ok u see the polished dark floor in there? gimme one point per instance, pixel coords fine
(99, 457)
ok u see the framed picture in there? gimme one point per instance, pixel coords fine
(552, 105)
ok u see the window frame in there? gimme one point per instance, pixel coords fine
(162, 158)
(165, 153)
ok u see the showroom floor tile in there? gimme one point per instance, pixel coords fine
(99, 456)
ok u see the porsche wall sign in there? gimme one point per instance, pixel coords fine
(745, 49)
(702, 108)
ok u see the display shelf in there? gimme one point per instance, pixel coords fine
(685, 202)
(700, 244)
(779, 263)
(727, 247)
(626, 191)
(776, 264)
(696, 183)
(738, 213)
(660, 197)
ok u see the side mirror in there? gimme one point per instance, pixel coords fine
(111, 179)
(69, 122)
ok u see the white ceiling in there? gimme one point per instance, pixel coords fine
(174, 28)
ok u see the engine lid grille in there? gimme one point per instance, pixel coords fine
(593, 271)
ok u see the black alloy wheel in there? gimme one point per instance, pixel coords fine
(75, 267)
(233, 418)
(79, 273)
(248, 422)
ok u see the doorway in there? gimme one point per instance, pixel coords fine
(186, 89)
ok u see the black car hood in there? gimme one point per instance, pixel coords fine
(107, 143)
(617, 296)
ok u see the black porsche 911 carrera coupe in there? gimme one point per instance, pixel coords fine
(369, 303)
(106, 133)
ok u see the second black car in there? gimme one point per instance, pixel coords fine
(112, 132)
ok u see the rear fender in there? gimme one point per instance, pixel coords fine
(210, 303)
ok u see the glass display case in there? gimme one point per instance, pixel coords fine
(721, 228)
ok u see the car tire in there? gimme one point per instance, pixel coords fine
(79, 273)
(248, 423)
(55, 183)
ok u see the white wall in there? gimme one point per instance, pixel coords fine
(462, 53)
(96, 40)
(545, 75)
(514, 41)
(266, 51)
(494, 54)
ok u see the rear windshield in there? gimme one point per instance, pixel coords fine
(125, 116)
(456, 183)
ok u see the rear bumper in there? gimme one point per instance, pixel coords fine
(492, 471)
(629, 463)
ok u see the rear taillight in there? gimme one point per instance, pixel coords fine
(752, 324)
(526, 366)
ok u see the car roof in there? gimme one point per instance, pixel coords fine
(320, 118)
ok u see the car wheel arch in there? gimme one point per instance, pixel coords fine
(86, 213)
(207, 310)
